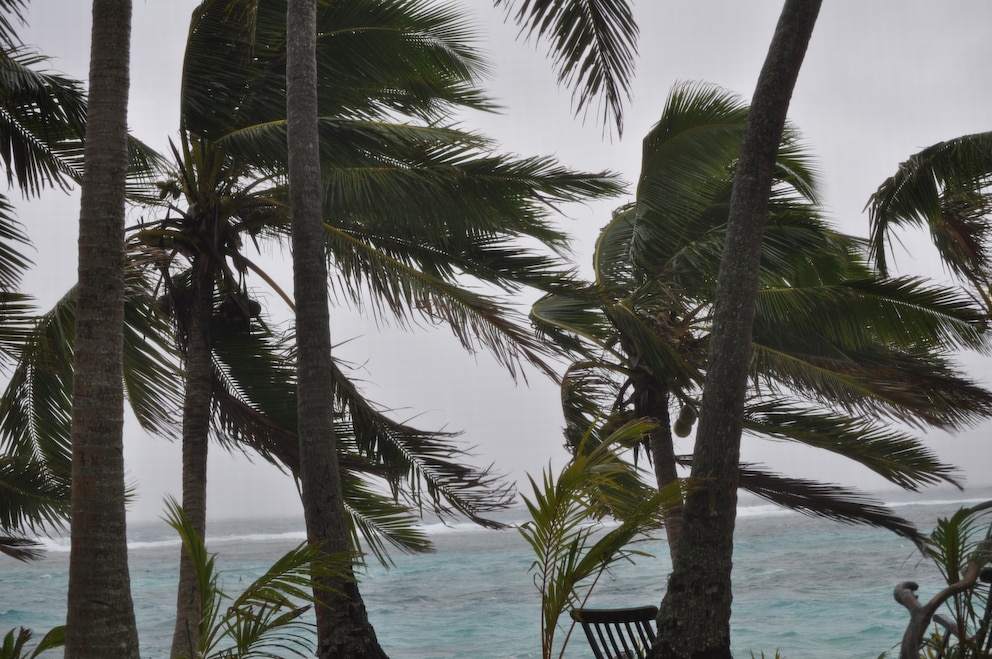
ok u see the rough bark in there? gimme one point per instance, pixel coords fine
(100, 620)
(195, 439)
(694, 619)
(343, 629)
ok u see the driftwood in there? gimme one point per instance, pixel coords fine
(920, 615)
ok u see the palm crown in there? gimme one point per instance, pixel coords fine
(836, 349)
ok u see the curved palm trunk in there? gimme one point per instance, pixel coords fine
(694, 620)
(343, 629)
(665, 473)
(100, 620)
(651, 401)
(196, 427)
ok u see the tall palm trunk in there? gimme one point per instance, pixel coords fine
(100, 620)
(196, 427)
(343, 629)
(694, 621)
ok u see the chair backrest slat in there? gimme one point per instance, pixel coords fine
(618, 633)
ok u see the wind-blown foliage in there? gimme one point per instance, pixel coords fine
(593, 44)
(412, 212)
(821, 375)
(35, 406)
(947, 189)
(42, 125)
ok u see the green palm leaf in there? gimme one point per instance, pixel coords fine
(379, 522)
(43, 123)
(593, 45)
(822, 500)
(31, 499)
(896, 456)
(569, 551)
(13, 263)
(11, 9)
(242, 83)
(255, 401)
(35, 407)
(944, 188)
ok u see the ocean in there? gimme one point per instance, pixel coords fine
(805, 587)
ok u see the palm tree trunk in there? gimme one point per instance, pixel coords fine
(100, 620)
(343, 629)
(666, 473)
(651, 401)
(196, 427)
(694, 620)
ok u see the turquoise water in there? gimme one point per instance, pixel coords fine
(809, 588)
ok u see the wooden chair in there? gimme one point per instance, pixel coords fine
(618, 633)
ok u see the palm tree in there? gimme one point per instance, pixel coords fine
(343, 628)
(821, 375)
(231, 177)
(695, 620)
(947, 189)
(579, 30)
(100, 620)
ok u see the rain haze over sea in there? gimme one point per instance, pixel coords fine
(807, 587)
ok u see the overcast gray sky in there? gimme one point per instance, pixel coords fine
(881, 80)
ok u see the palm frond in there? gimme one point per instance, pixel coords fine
(475, 319)
(373, 58)
(13, 242)
(14, 645)
(379, 522)
(11, 9)
(16, 323)
(905, 311)
(35, 407)
(683, 192)
(573, 321)
(152, 383)
(896, 456)
(960, 539)
(591, 402)
(21, 549)
(255, 406)
(37, 402)
(435, 472)
(439, 187)
(569, 549)
(944, 188)
(32, 498)
(593, 45)
(823, 500)
(42, 123)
